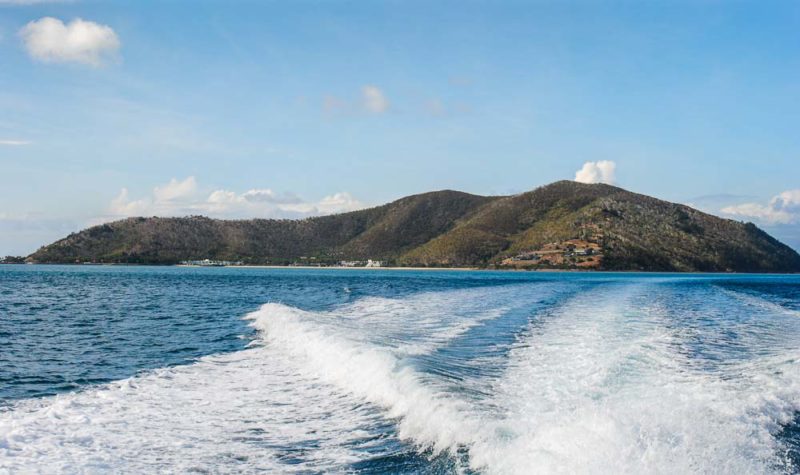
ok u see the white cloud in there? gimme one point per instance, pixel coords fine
(269, 196)
(123, 206)
(79, 41)
(172, 199)
(781, 209)
(176, 191)
(14, 143)
(183, 198)
(374, 100)
(336, 203)
(597, 172)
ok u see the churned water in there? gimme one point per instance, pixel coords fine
(223, 370)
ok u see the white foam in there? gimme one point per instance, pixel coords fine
(601, 388)
(247, 410)
(302, 387)
(430, 418)
(422, 322)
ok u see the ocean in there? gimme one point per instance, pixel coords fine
(243, 370)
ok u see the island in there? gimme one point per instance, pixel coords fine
(563, 225)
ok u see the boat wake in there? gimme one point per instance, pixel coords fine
(617, 378)
(606, 384)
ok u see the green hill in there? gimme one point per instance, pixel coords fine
(561, 225)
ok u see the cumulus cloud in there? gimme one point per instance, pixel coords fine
(374, 100)
(781, 209)
(335, 203)
(183, 197)
(123, 206)
(597, 172)
(79, 41)
(176, 191)
(14, 143)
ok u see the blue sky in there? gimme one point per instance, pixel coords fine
(296, 108)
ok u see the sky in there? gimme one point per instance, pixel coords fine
(292, 109)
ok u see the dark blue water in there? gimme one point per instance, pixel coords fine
(141, 369)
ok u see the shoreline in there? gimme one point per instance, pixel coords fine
(472, 269)
(343, 267)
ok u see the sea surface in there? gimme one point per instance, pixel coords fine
(242, 370)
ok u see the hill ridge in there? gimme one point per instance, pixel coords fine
(565, 224)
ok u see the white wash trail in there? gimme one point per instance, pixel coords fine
(293, 401)
(609, 376)
(430, 418)
(362, 350)
(604, 385)
(604, 382)
(244, 411)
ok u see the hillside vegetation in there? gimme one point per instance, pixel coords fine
(562, 225)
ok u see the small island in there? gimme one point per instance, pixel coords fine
(562, 226)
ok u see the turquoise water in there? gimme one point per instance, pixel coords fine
(166, 369)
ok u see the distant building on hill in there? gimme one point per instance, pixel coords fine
(367, 263)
